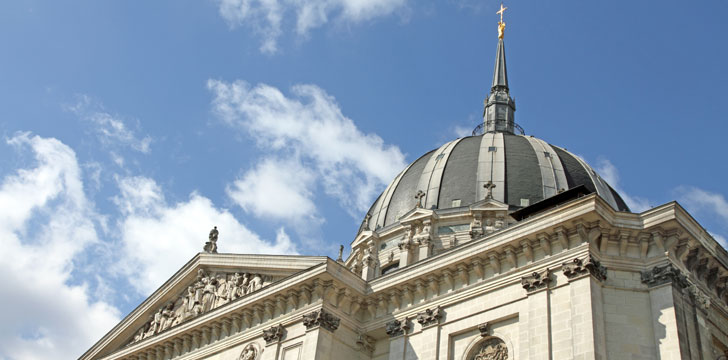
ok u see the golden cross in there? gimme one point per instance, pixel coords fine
(501, 11)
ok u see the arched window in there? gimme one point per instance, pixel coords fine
(491, 348)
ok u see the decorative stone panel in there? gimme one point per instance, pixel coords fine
(321, 318)
(587, 265)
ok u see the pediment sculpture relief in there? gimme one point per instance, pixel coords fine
(490, 349)
(207, 292)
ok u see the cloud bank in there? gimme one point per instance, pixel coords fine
(45, 225)
(307, 137)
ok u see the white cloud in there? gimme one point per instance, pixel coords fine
(265, 17)
(610, 174)
(699, 200)
(45, 226)
(309, 128)
(158, 237)
(279, 188)
(109, 128)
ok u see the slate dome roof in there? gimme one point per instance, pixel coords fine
(524, 170)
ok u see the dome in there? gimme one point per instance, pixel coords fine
(524, 170)
(516, 170)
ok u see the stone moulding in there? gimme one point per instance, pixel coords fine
(397, 328)
(429, 316)
(537, 280)
(274, 334)
(321, 318)
(665, 274)
(586, 265)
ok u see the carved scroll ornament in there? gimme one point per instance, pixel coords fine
(274, 334)
(586, 265)
(396, 328)
(321, 318)
(429, 316)
(536, 280)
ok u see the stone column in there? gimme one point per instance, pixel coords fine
(587, 311)
(272, 336)
(428, 342)
(397, 331)
(405, 256)
(665, 285)
(319, 340)
(537, 332)
(369, 267)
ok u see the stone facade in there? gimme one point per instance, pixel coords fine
(580, 280)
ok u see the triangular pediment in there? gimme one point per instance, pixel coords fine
(417, 214)
(205, 283)
(488, 204)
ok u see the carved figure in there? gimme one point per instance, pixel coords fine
(167, 317)
(250, 352)
(492, 349)
(208, 297)
(255, 283)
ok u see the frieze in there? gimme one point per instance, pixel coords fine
(585, 265)
(321, 318)
(397, 328)
(274, 334)
(207, 292)
(429, 316)
(536, 280)
(664, 274)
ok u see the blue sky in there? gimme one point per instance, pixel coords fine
(130, 128)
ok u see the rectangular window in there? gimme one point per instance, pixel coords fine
(456, 203)
(492, 149)
(450, 229)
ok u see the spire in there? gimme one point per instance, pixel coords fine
(500, 76)
(499, 105)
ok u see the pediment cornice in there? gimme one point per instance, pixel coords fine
(272, 267)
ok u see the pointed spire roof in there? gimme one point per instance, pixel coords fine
(500, 75)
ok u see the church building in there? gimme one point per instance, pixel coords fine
(495, 246)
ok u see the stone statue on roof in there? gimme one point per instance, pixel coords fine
(211, 244)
